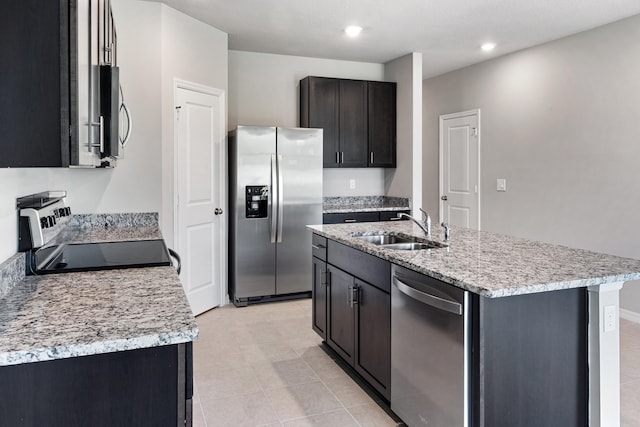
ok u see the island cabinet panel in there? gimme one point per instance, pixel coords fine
(340, 313)
(373, 336)
(319, 297)
(151, 386)
(530, 360)
(358, 311)
(369, 268)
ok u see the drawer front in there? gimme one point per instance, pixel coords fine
(361, 265)
(319, 247)
(340, 218)
(392, 215)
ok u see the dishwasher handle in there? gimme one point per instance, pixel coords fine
(425, 298)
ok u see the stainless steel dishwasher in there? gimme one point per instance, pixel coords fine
(429, 351)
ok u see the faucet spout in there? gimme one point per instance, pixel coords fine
(426, 227)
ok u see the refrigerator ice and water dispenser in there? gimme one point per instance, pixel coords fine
(257, 198)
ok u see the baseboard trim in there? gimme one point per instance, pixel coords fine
(630, 315)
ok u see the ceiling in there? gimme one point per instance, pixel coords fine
(448, 33)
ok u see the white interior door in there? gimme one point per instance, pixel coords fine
(460, 169)
(200, 193)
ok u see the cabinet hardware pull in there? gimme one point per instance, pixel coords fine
(371, 158)
(337, 157)
(355, 295)
(318, 246)
(350, 220)
(323, 278)
(342, 157)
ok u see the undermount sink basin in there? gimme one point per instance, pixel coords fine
(414, 246)
(384, 239)
(400, 243)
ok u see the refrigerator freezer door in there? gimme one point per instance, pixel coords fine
(300, 167)
(253, 264)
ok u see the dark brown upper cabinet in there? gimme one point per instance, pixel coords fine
(358, 118)
(382, 124)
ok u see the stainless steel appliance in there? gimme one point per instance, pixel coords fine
(429, 351)
(43, 216)
(275, 190)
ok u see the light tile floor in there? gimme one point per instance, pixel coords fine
(263, 365)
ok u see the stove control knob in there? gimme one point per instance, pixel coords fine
(60, 212)
(52, 220)
(44, 222)
(67, 211)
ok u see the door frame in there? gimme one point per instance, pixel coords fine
(444, 117)
(222, 178)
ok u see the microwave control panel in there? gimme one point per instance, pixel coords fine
(257, 200)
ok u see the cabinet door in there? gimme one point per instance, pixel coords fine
(382, 124)
(319, 100)
(373, 336)
(341, 315)
(319, 297)
(353, 123)
(34, 105)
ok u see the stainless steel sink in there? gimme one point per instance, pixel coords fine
(414, 246)
(400, 242)
(385, 239)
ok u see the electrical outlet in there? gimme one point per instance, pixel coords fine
(352, 184)
(501, 184)
(609, 318)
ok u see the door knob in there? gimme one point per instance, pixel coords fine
(444, 198)
(218, 211)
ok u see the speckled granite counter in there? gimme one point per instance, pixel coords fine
(57, 316)
(364, 204)
(491, 264)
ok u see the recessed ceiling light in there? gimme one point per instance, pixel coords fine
(353, 30)
(488, 47)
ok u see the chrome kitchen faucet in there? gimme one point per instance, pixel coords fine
(426, 227)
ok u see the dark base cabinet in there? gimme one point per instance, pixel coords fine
(339, 218)
(358, 311)
(146, 387)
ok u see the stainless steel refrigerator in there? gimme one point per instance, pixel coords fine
(275, 177)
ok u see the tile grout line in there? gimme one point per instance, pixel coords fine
(333, 394)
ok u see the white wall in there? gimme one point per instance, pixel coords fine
(191, 51)
(560, 123)
(264, 90)
(406, 179)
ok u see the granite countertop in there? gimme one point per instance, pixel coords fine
(364, 204)
(490, 264)
(64, 315)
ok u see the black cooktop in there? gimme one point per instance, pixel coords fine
(71, 257)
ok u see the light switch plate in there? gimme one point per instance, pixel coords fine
(501, 184)
(352, 184)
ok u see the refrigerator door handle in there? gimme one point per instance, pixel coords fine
(280, 198)
(272, 198)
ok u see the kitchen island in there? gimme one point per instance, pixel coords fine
(110, 347)
(543, 337)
